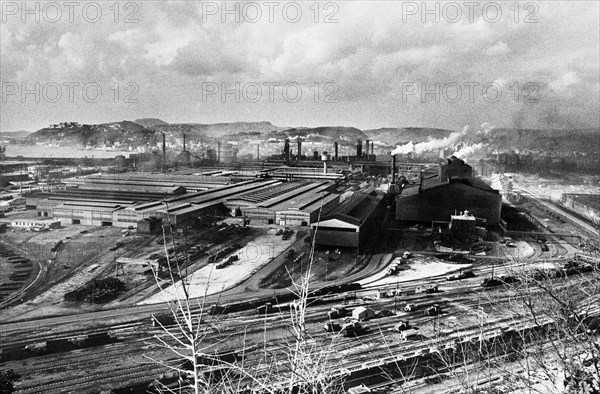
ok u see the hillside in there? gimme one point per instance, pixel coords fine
(397, 136)
(9, 135)
(577, 140)
(176, 130)
(331, 132)
(218, 130)
(75, 134)
(149, 122)
(140, 132)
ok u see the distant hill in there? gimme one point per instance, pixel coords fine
(217, 130)
(75, 134)
(14, 134)
(576, 140)
(338, 133)
(176, 130)
(149, 122)
(397, 136)
(141, 132)
(201, 131)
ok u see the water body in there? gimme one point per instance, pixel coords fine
(59, 152)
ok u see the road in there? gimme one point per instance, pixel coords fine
(563, 212)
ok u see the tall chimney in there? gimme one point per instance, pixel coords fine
(218, 152)
(299, 147)
(335, 148)
(286, 149)
(184, 142)
(372, 148)
(393, 181)
(366, 147)
(164, 153)
(358, 147)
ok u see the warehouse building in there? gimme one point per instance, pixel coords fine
(285, 204)
(126, 204)
(435, 198)
(187, 209)
(35, 224)
(351, 223)
(134, 206)
(191, 182)
(88, 214)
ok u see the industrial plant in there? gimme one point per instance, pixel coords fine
(299, 197)
(116, 240)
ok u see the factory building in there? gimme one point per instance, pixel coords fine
(88, 214)
(285, 204)
(435, 198)
(35, 224)
(350, 223)
(150, 181)
(129, 201)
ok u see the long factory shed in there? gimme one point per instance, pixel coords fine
(180, 199)
(126, 209)
(350, 223)
(288, 204)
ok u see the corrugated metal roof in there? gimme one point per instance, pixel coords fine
(434, 181)
(297, 196)
(355, 209)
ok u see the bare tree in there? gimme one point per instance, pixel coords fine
(548, 342)
(299, 365)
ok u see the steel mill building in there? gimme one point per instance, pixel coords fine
(434, 198)
(352, 222)
(131, 201)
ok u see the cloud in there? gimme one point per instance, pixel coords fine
(368, 53)
(73, 49)
(500, 49)
(129, 39)
(566, 80)
(168, 40)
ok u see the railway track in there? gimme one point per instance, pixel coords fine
(246, 324)
(95, 380)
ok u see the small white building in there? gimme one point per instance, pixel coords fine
(35, 224)
(362, 313)
(409, 334)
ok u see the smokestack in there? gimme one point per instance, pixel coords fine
(358, 147)
(366, 147)
(372, 148)
(393, 169)
(286, 149)
(184, 142)
(335, 148)
(218, 152)
(164, 152)
(299, 148)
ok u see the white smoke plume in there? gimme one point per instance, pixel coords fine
(479, 150)
(404, 149)
(441, 143)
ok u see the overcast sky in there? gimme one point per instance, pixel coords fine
(362, 64)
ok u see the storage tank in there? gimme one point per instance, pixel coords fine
(226, 153)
